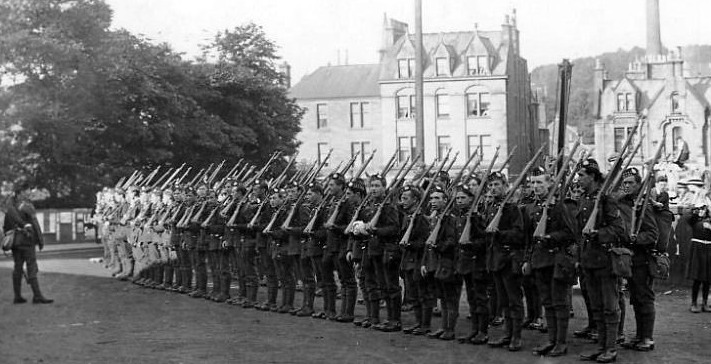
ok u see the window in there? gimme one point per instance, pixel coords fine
(406, 148)
(406, 107)
(477, 65)
(481, 141)
(322, 150)
(629, 102)
(621, 136)
(442, 101)
(362, 147)
(443, 145)
(676, 134)
(675, 107)
(359, 114)
(405, 68)
(442, 66)
(472, 68)
(478, 104)
(620, 102)
(321, 116)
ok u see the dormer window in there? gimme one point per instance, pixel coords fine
(442, 66)
(405, 68)
(477, 65)
(625, 102)
(675, 106)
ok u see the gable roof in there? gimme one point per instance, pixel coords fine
(339, 81)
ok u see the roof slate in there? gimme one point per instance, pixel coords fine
(339, 81)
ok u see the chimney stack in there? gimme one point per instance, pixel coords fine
(654, 40)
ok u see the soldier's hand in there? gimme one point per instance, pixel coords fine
(349, 256)
(423, 271)
(526, 269)
(633, 238)
(225, 244)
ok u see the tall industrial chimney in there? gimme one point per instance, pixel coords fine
(654, 39)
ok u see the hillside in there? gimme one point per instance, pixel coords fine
(698, 62)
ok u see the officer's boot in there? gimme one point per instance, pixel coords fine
(167, 277)
(551, 322)
(388, 307)
(474, 322)
(647, 343)
(426, 323)
(516, 327)
(417, 310)
(349, 302)
(17, 288)
(482, 336)
(443, 323)
(638, 334)
(506, 339)
(451, 322)
(374, 314)
(561, 340)
(366, 319)
(307, 308)
(601, 341)
(200, 284)
(610, 353)
(38, 298)
(395, 323)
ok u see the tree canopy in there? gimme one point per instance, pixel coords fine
(82, 105)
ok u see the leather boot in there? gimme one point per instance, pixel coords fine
(417, 310)
(638, 334)
(159, 275)
(426, 322)
(482, 337)
(647, 342)
(366, 319)
(602, 336)
(474, 321)
(38, 298)
(394, 314)
(347, 306)
(251, 297)
(516, 343)
(186, 284)
(546, 347)
(308, 307)
(224, 293)
(443, 324)
(506, 339)
(167, 277)
(17, 288)
(452, 317)
(561, 341)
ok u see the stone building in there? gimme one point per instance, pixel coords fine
(477, 93)
(659, 87)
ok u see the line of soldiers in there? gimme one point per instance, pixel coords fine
(432, 233)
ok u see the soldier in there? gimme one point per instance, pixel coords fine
(232, 249)
(439, 261)
(292, 253)
(595, 260)
(530, 291)
(470, 265)
(128, 237)
(188, 240)
(504, 255)
(249, 243)
(265, 248)
(541, 257)
(383, 256)
(335, 244)
(423, 287)
(312, 251)
(642, 243)
(197, 242)
(173, 276)
(222, 248)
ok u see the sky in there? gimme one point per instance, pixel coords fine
(312, 33)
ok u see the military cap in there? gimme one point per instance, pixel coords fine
(443, 175)
(338, 178)
(277, 191)
(631, 172)
(315, 187)
(662, 178)
(261, 183)
(356, 185)
(590, 165)
(538, 171)
(378, 177)
(438, 189)
(463, 187)
(474, 176)
(496, 176)
(416, 192)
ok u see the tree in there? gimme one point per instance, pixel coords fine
(90, 104)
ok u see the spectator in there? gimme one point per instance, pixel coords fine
(20, 217)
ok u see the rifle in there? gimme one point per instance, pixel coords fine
(164, 176)
(616, 183)
(336, 210)
(508, 159)
(175, 173)
(642, 200)
(276, 184)
(571, 175)
(411, 224)
(466, 164)
(184, 175)
(494, 224)
(421, 177)
(302, 195)
(540, 231)
(391, 191)
(454, 159)
(390, 164)
(592, 220)
(350, 163)
(150, 177)
(397, 176)
(232, 171)
(196, 177)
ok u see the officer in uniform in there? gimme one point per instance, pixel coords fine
(542, 253)
(641, 243)
(504, 255)
(595, 260)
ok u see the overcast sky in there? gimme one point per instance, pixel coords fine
(311, 32)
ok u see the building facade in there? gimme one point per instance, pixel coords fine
(660, 89)
(477, 94)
